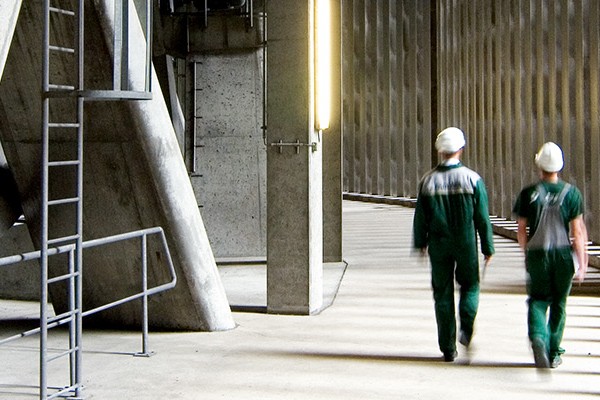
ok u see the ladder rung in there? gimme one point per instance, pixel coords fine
(63, 277)
(62, 11)
(64, 353)
(63, 163)
(62, 239)
(60, 87)
(62, 49)
(63, 125)
(63, 201)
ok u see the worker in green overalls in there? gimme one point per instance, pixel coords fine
(552, 210)
(452, 208)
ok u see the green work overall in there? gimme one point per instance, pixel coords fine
(452, 208)
(550, 269)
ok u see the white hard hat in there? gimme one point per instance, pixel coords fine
(450, 140)
(549, 158)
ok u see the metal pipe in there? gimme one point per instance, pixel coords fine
(250, 5)
(194, 117)
(78, 279)
(145, 298)
(118, 45)
(73, 361)
(149, 17)
(44, 206)
(34, 255)
(205, 13)
(264, 65)
(81, 51)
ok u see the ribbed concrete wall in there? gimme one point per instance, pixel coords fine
(515, 74)
(387, 98)
(511, 74)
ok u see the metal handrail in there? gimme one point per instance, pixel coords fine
(143, 233)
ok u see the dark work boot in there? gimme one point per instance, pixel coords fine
(450, 356)
(540, 353)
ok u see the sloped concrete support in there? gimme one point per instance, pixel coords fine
(134, 178)
(9, 13)
(175, 195)
(10, 207)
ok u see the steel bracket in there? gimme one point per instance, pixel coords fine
(281, 144)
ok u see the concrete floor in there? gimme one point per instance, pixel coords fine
(376, 341)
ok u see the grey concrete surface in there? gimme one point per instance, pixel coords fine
(230, 159)
(377, 340)
(134, 174)
(9, 12)
(294, 177)
(18, 281)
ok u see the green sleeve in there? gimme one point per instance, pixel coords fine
(482, 219)
(420, 224)
(576, 204)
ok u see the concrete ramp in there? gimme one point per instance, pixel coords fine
(134, 178)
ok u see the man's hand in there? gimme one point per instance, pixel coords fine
(487, 260)
(581, 272)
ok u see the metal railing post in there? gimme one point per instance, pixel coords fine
(145, 352)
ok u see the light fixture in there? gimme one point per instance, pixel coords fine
(322, 63)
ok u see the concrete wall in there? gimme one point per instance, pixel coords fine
(224, 147)
(387, 100)
(530, 77)
(228, 164)
(512, 75)
(18, 281)
(230, 176)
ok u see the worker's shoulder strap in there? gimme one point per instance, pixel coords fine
(543, 194)
(563, 193)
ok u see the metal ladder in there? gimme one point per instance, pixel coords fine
(68, 237)
(54, 94)
(62, 120)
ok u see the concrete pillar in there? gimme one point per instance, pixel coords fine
(332, 150)
(294, 174)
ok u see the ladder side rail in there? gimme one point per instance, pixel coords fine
(43, 360)
(77, 281)
(73, 344)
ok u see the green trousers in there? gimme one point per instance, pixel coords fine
(550, 275)
(447, 264)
